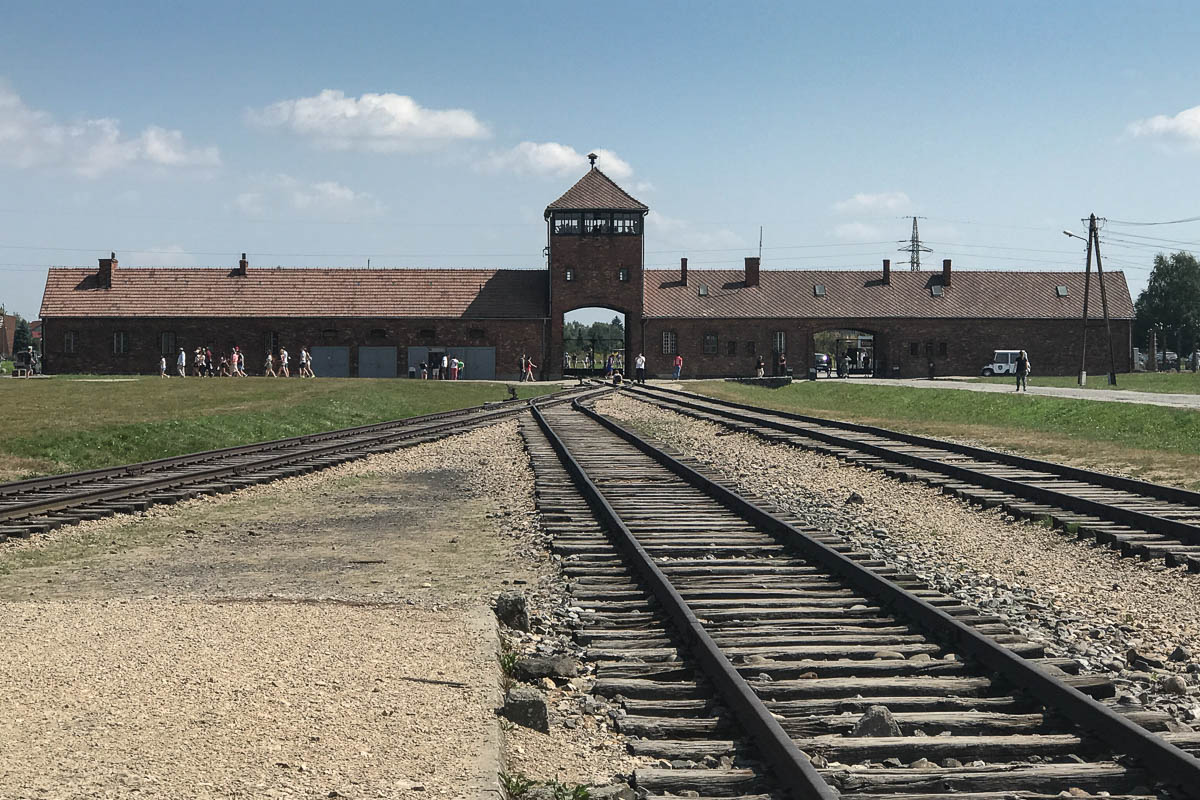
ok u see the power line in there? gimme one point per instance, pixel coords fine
(1165, 222)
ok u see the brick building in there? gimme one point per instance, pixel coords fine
(383, 323)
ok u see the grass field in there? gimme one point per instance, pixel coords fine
(1152, 442)
(69, 423)
(1160, 382)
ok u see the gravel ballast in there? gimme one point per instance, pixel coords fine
(1080, 599)
(327, 635)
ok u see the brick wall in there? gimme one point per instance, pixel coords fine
(595, 263)
(94, 340)
(1053, 345)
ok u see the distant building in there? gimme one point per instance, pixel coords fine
(8, 329)
(384, 323)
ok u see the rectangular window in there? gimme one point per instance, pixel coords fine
(570, 274)
(670, 343)
(731, 348)
(702, 290)
(566, 223)
(120, 343)
(428, 333)
(596, 222)
(272, 341)
(166, 343)
(475, 333)
(780, 340)
(819, 290)
(70, 342)
(751, 347)
(329, 334)
(710, 344)
(929, 348)
(941, 348)
(378, 333)
(623, 274)
(626, 223)
(914, 349)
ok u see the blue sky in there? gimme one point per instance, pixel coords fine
(434, 135)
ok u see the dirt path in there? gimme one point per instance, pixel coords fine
(323, 636)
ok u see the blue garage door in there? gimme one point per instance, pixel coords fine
(331, 362)
(376, 362)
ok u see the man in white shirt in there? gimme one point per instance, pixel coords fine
(181, 364)
(640, 366)
(283, 363)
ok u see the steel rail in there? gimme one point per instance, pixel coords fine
(1183, 531)
(1158, 491)
(1174, 766)
(137, 468)
(361, 441)
(789, 764)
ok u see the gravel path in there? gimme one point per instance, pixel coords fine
(328, 635)
(1082, 600)
(1104, 395)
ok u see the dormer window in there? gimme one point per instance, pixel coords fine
(702, 290)
(936, 290)
(819, 290)
(596, 222)
(1061, 291)
(566, 223)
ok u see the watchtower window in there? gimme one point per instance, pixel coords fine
(626, 223)
(566, 223)
(570, 274)
(597, 222)
(623, 274)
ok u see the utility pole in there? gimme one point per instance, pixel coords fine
(1093, 240)
(914, 248)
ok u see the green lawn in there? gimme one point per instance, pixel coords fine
(1162, 382)
(69, 423)
(6, 367)
(1152, 442)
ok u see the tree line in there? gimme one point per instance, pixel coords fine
(1170, 304)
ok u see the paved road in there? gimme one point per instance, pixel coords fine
(1104, 395)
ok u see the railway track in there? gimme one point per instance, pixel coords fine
(41, 504)
(747, 652)
(1138, 518)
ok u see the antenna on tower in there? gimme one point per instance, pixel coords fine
(914, 248)
(760, 242)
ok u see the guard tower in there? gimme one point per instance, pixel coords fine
(596, 255)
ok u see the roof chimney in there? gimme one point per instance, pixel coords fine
(946, 272)
(104, 275)
(887, 272)
(751, 271)
(242, 266)
(683, 271)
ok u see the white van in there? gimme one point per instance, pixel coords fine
(1004, 362)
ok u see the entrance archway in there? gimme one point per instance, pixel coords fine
(847, 352)
(591, 336)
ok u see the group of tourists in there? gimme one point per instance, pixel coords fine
(206, 364)
(450, 368)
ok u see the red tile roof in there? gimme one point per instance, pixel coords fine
(199, 292)
(595, 191)
(861, 293)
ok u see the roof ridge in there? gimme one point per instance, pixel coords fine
(592, 192)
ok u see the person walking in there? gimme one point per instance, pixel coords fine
(529, 368)
(760, 367)
(678, 365)
(454, 368)
(1023, 370)
(462, 370)
(198, 363)
(269, 366)
(639, 365)
(782, 364)
(283, 363)
(162, 367)
(445, 367)
(181, 364)
(210, 362)
(608, 365)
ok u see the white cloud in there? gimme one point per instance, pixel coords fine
(671, 233)
(863, 202)
(31, 138)
(858, 232)
(1183, 127)
(375, 122)
(171, 255)
(552, 158)
(277, 194)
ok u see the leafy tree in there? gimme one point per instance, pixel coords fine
(22, 336)
(1170, 301)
